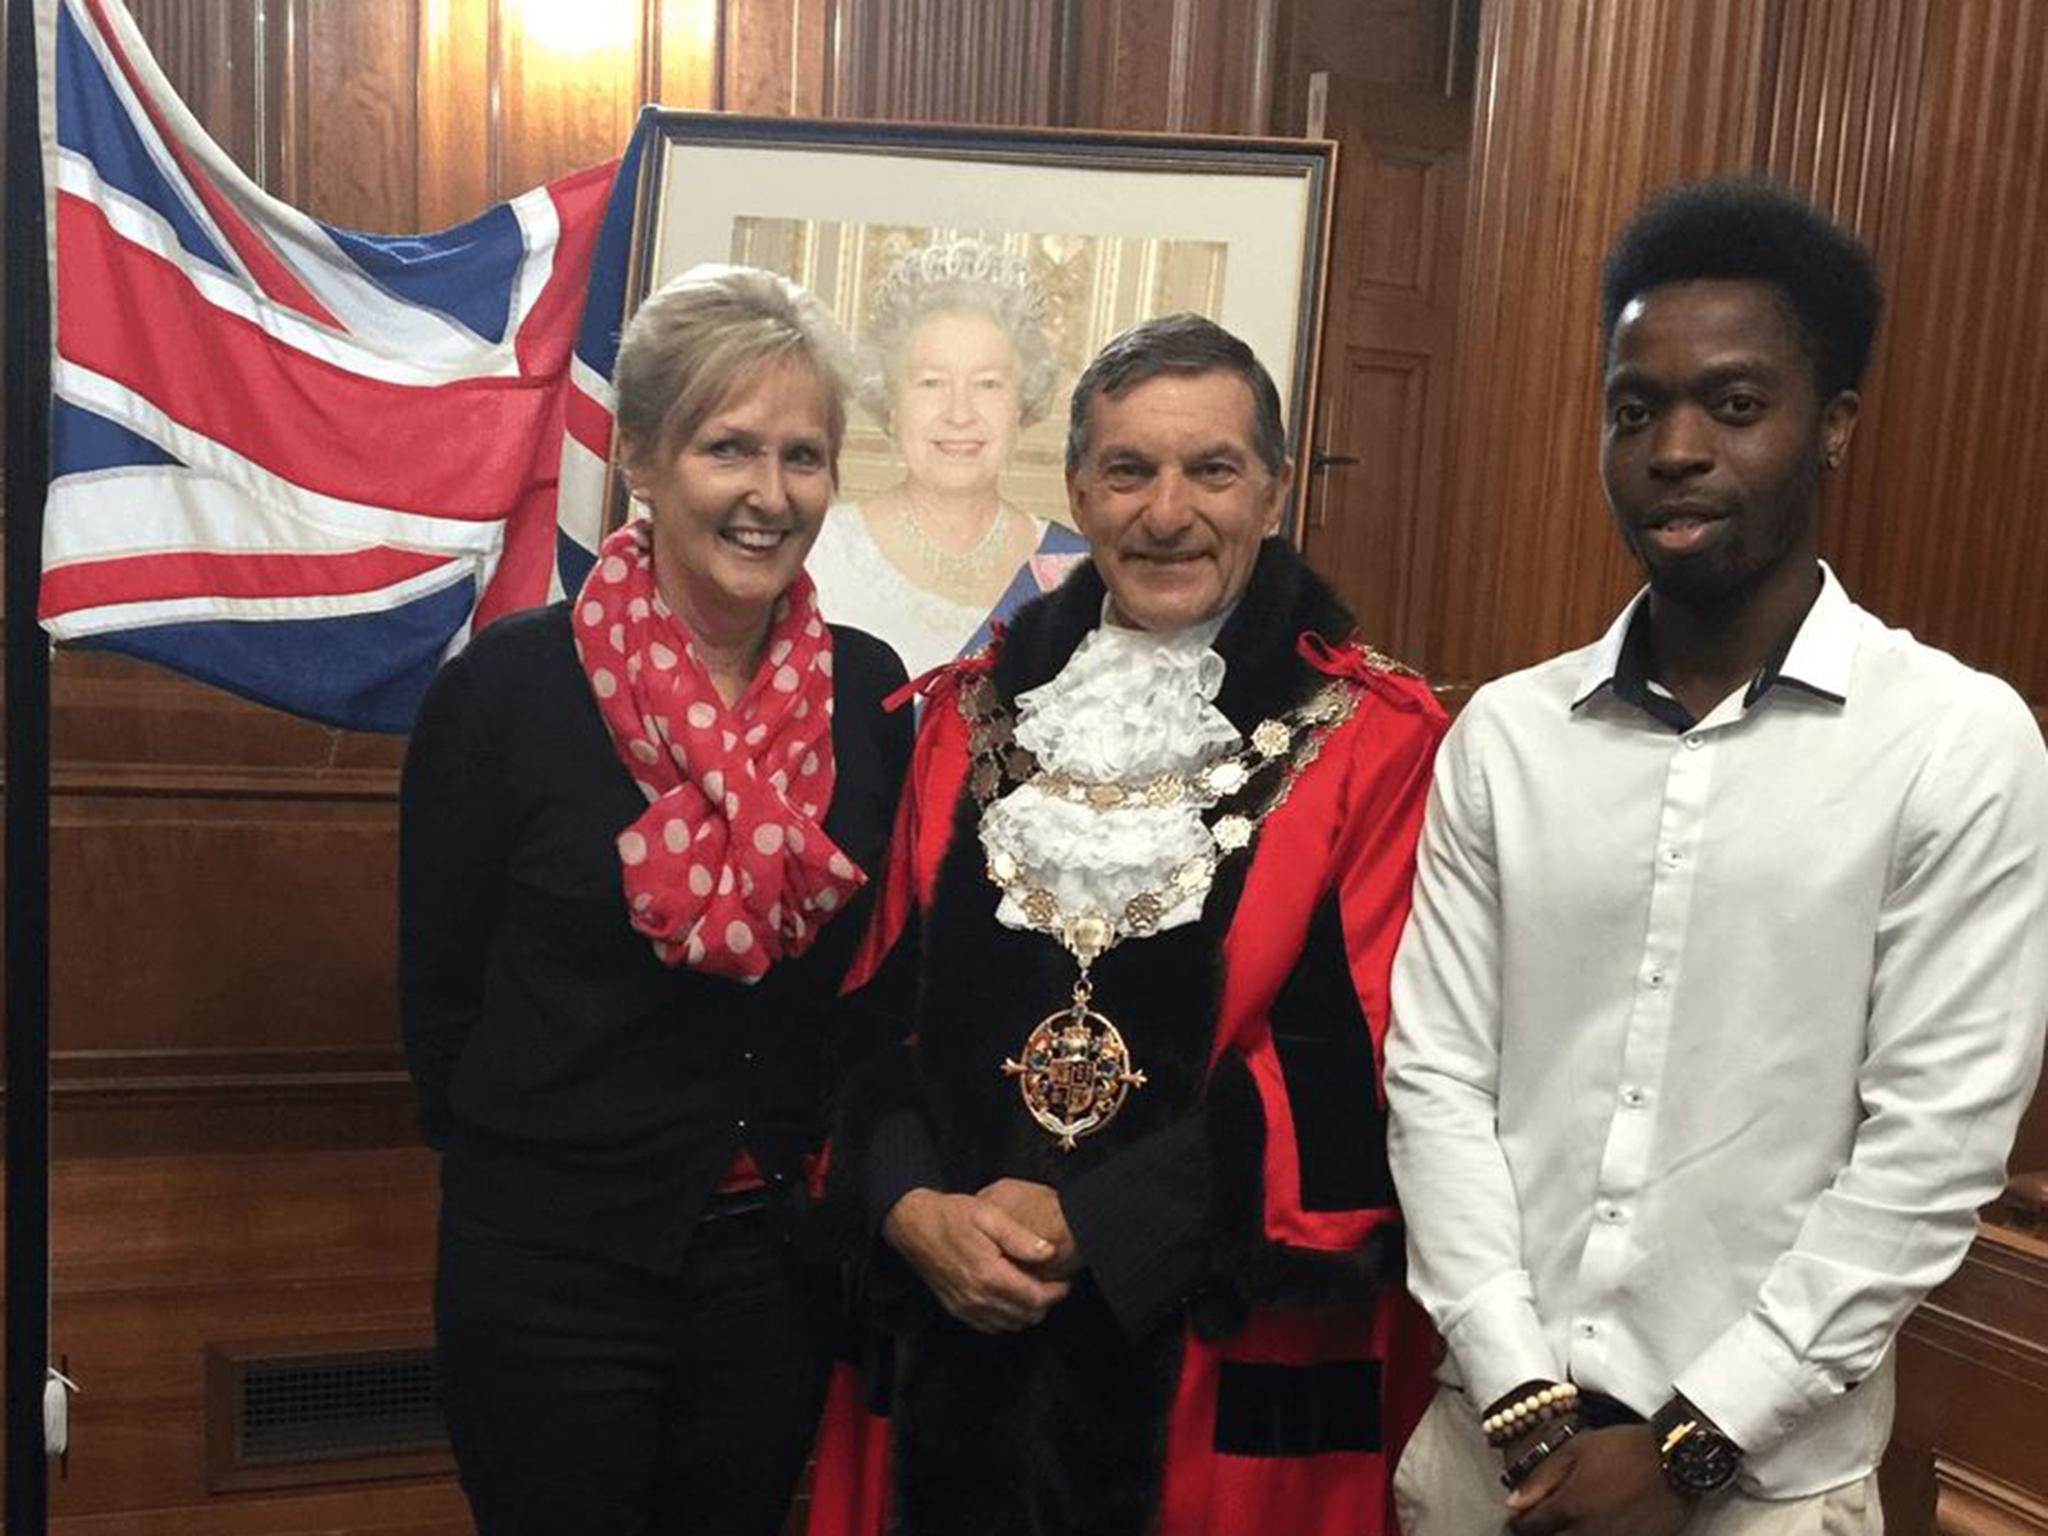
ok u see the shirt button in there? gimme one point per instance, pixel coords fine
(1614, 1215)
(1634, 1098)
(1673, 857)
(1588, 1330)
(1694, 743)
(1656, 978)
(746, 1056)
(743, 1125)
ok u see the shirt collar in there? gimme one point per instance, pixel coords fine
(1819, 659)
(1822, 655)
(1603, 661)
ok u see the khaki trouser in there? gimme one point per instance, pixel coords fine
(1448, 1484)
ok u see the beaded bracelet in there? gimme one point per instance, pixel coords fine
(1552, 1442)
(1525, 1413)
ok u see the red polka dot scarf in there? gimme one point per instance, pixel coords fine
(729, 868)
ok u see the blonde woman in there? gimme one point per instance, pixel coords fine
(633, 827)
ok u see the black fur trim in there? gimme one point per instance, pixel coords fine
(1061, 1428)
(1297, 1410)
(1237, 1197)
(1252, 1270)
(1283, 1276)
(1324, 1045)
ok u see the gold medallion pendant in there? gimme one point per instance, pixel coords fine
(1076, 1070)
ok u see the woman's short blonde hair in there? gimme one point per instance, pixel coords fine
(957, 277)
(702, 332)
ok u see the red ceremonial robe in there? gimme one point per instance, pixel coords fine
(1239, 1355)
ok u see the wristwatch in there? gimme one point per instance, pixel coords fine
(1698, 1458)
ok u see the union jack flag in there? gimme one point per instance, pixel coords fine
(294, 460)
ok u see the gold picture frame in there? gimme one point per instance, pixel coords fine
(1116, 228)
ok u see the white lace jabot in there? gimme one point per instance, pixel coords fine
(1128, 706)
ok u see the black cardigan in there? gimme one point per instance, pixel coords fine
(585, 1095)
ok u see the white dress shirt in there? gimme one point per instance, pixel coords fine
(1709, 1041)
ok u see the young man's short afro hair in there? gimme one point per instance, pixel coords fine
(1752, 228)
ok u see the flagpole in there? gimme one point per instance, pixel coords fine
(28, 791)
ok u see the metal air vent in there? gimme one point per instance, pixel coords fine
(284, 1412)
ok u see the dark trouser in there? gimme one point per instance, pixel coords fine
(586, 1396)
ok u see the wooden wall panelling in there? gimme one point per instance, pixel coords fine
(1968, 1504)
(1230, 66)
(1389, 332)
(223, 971)
(950, 61)
(455, 169)
(569, 84)
(221, 922)
(1122, 82)
(1177, 66)
(405, 1509)
(210, 50)
(511, 97)
(346, 115)
(208, 993)
(124, 727)
(160, 1257)
(1361, 534)
(777, 57)
(281, 164)
(1844, 104)
(1581, 108)
(2030, 1148)
(1214, 66)
(683, 45)
(1844, 96)
(1409, 45)
(1940, 531)
(1970, 1450)
(282, 932)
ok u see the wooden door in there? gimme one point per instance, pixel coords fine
(1372, 495)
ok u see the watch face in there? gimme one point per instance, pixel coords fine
(1702, 1462)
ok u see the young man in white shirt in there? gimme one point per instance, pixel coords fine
(1725, 983)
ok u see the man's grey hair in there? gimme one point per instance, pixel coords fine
(1176, 344)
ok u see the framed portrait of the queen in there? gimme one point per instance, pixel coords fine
(975, 273)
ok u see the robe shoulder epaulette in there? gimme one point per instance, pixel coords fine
(948, 678)
(1396, 682)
